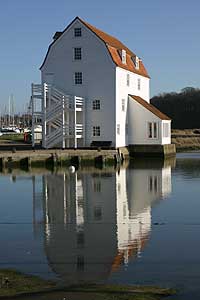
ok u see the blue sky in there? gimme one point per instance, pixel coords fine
(165, 34)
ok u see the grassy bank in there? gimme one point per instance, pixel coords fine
(12, 137)
(186, 139)
(14, 284)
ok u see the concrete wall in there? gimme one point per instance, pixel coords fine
(122, 91)
(98, 77)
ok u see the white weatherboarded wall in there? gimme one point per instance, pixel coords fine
(166, 140)
(98, 77)
(138, 119)
(122, 91)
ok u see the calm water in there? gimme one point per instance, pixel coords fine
(139, 225)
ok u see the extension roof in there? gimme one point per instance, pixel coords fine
(150, 107)
(113, 45)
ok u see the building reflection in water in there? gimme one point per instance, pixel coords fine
(94, 222)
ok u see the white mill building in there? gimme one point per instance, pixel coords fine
(94, 91)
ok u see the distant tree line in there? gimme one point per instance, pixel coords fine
(183, 108)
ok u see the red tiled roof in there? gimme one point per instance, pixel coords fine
(113, 45)
(150, 107)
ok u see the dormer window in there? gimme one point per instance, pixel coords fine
(136, 62)
(122, 54)
(77, 32)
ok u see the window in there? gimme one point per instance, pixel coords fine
(77, 32)
(80, 263)
(78, 78)
(77, 53)
(137, 63)
(97, 213)
(153, 184)
(96, 104)
(127, 79)
(150, 130)
(153, 130)
(96, 131)
(118, 128)
(123, 104)
(124, 210)
(165, 130)
(126, 129)
(123, 54)
(139, 84)
(80, 239)
(97, 186)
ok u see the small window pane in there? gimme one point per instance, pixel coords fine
(118, 128)
(139, 83)
(153, 184)
(97, 213)
(126, 129)
(80, 263)
(77, 53)
(80, 239)
(123, 56)
(165, 130)
(97, 186)
(150, 130)
(96, 131)
(78, 78)
(155, 130)
(123, 104)
(96, 104)
(128, 79)
(77, 32)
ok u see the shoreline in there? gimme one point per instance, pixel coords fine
(16, 285)
(186, 139)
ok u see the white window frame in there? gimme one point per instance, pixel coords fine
(137, 63)
(77, 32)
(139, 84)
(126, 128)
(118, 129)
(153, 130)
(128, 79)
(123, 104)
(77, 53)
(153, 182)
(78, 78)
(123, 56)
(166, 128)
(96, 131)
(96, 104)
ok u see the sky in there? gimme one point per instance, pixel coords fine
(165, 34)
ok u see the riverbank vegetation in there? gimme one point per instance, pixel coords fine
(183, 108)
(17, 137)
(186, 140)
(13, 283)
